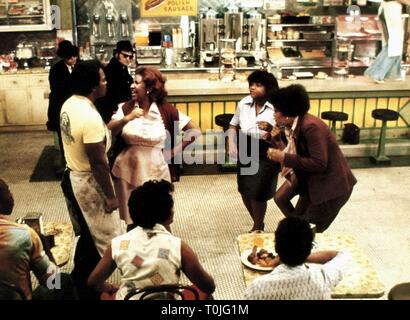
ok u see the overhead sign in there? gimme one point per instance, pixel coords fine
(168, 8)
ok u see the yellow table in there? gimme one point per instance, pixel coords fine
(63, 239)
(359, 279)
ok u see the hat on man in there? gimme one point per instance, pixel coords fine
(124, 45)
(67, 50)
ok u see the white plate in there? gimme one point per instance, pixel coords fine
(244, 260)
(303, 74)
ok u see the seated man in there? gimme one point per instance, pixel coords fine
(291, 279)
(21, 251)
(149, 254)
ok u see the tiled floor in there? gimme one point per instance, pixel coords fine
(210, 215)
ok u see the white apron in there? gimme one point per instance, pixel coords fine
(394, 23)
(90, 197)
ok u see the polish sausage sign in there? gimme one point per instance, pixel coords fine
(168, 8)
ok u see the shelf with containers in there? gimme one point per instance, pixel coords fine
(301, 45)
(25, 15)
(357, 42)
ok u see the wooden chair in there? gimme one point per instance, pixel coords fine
(9, 291)
(164, 292)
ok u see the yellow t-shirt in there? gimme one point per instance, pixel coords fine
(80, 124)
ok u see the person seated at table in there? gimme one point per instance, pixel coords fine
(291, 278)
(149, 254)
(21, 251)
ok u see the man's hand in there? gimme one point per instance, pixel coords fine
(275, 155)
(275, 134)
(265, 126)
(110, 204)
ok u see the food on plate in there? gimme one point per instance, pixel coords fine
(152, 4)
(17, 10)
(262, 258)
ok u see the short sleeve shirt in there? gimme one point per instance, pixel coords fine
(246, 118)
(80, 124)
(303, 282)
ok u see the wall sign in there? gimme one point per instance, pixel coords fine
(168, 8)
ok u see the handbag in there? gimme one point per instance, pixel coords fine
(351, 134)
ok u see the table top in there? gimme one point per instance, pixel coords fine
(359, 278)
(63, 239)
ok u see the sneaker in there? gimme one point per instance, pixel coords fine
(379, 81)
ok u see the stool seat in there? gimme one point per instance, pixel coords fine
(385, 114)
(400, 292)
(223, 120)
(334, 115)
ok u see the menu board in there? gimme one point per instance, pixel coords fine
(168, 8)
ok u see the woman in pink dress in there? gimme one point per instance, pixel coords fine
(145, 133)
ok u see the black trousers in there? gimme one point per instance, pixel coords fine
(86, 254)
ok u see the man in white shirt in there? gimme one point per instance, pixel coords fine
(87, 182)
(291, 278)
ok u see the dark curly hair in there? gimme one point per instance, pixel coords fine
(293, 241)
(291, 101)
(6, 198)
(266, 79)
(154, 81)
(151, 203)
(85, 77)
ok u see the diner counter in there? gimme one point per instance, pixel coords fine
(24, 98)
(208, 85)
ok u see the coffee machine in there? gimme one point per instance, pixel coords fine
(248, 29)
(211, 29)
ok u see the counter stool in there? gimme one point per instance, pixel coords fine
(384, 115)
(223, 121)
(400, 292)
(334, 116)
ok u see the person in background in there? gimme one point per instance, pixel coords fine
(149, 254)
(87, 182)
(253, 111)
(119, 83)
(291, 279)
(388, 62)
(145, 130)
(60, 89)
(21, 251)
(119, 80)
(312, 163)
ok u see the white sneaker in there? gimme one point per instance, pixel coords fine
(378, 81)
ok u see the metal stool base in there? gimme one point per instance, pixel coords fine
(385, 161)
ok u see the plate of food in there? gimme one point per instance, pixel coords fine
(258, 259)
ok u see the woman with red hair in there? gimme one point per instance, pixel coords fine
(146, 122)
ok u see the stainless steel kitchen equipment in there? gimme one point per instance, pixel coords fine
(148, 55)
(96, 25)
(124, 25)
(211, 28)
(110, 25)
(247, 29)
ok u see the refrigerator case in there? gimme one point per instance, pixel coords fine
(26, 15)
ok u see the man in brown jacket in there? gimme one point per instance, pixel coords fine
(312, 162)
